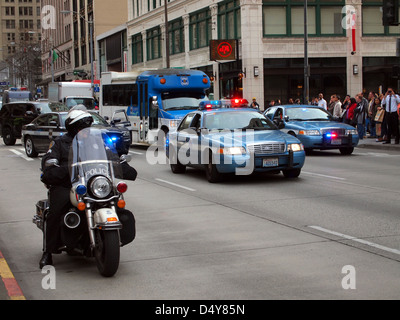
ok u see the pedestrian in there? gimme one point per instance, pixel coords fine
(372, 109)
(378, 119)
(331, 105)
(337, 107)
(254, 104)
(272, 103)
(360, 114)
(349, 117)
(369, 124)
(322, 101)
(390, 102)
(291, 101)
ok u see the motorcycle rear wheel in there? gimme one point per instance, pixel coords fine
(107, 252)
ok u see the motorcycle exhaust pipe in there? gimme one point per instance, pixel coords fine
(72, 220)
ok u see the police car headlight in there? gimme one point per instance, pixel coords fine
(295, 147)
(101, 187)
(352, 132)
(233, 151)
(310, 132)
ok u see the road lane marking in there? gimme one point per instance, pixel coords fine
(323, 175)
(368, 243)
(176, 185)
(11, 284)
(21, 155)
(135, 152)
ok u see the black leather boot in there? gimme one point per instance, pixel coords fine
(47, 260)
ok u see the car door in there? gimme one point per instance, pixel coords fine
(40, 136)
(183, 137)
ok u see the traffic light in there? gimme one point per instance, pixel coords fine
(390, 12)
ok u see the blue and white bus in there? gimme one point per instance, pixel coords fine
(154, 100)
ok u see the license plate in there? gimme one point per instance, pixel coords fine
(336, 141)
(271, 162)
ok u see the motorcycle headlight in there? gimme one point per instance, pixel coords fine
(296, 147)
(101, 187)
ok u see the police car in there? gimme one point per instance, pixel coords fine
(232, 140)
(37, 135)
(314, 127)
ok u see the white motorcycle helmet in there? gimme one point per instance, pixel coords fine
(77, 120)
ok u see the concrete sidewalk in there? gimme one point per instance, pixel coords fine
(370, 143)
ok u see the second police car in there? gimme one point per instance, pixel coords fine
(224, 139)
(314, 127)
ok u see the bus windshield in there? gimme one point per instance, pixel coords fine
(182, 100)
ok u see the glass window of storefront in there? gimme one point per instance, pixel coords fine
(284, 78)
(286, 18)
(372, 20)
(200, 29)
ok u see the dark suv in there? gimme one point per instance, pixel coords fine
(14, 115)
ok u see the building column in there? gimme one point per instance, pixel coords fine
(186, 36)
(163, 45)
(144, 44)
(252, 50)
(355, 81)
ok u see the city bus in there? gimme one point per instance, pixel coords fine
(154, 100)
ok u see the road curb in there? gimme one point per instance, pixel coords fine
(379, 146)
(14, 292)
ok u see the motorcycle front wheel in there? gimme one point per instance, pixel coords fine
(107, 252)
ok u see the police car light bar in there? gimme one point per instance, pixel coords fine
(208, 105)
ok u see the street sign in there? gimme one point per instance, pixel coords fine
(223, 50)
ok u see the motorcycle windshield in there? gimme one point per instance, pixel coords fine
(93, 153)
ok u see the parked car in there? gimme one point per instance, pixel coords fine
(314, 127)
(14, 115)
(37, 135)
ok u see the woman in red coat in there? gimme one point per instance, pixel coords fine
(350, 111)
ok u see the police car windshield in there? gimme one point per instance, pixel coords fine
(181, 100)
(237, 120)
(43, 107)
(307, 114)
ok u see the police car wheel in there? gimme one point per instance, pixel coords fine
(212, 173)
(291, 173)
(176, 166)
(30, 148)
(346, 151)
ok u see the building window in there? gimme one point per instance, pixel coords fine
(153, 43)
(286, 18)
(137, 48)
(229, 20)
(372, 20)
(176, 37)
(200, 29)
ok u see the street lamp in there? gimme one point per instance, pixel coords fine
(90, 23)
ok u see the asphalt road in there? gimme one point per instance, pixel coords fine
(252, 237)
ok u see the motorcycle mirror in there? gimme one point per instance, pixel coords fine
(51, 163)
(126, 157)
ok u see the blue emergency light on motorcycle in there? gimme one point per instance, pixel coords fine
(81, 190)
(208, 105)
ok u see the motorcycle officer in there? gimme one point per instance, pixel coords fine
(56, 176)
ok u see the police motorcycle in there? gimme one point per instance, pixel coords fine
(97, 225)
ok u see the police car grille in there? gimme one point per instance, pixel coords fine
(339, 132)
(268, 148)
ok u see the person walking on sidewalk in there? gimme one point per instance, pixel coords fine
(390, 102)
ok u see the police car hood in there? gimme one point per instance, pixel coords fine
(316, 125)
(247, 137)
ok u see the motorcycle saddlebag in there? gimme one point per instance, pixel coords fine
(128, 231)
